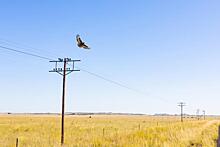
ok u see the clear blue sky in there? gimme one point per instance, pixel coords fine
(167, 49)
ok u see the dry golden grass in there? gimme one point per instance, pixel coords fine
(123, 131)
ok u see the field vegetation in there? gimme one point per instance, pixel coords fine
(99, 130)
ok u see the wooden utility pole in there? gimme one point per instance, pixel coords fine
(218, 139)
(63, 71)
(197, 114)
(63, 101)
(16, 142)
(181, 104)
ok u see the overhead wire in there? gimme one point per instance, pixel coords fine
(24, 46)
(23, 52)
(86, 71)
(108, 80)
(121, 85)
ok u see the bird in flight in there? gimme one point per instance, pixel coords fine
(80, 43)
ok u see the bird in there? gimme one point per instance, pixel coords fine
(80, 43)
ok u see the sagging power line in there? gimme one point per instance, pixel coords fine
(86, 71)
(111, 81)
(28, 47)
(23, 52)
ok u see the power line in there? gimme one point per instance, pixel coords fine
(26, 53)
(119, 84)
(111, 81)
(91, 73)
(24, 46)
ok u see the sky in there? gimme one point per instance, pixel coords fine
(165, 52)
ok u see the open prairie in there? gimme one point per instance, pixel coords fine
(103, 130)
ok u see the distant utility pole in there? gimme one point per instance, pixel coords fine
(181, 104)
(197, 114)
(63, 71)
(203, 114)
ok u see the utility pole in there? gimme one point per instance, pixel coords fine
(203, 114)
(197, 114)
(63, 71)
(181, 104)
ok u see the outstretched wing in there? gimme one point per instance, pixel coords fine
(85, 46)
(78, 39)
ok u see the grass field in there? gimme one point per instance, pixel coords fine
(123, 131)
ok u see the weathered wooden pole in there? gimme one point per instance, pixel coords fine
(16, 142)
(218, 140)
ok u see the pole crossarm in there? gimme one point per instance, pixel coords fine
(61, 71)
(68, 70)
